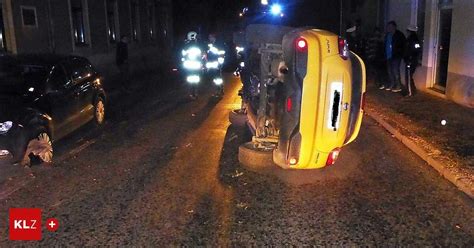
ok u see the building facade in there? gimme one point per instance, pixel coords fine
(446, 30)
(89, 28)
(448, 45)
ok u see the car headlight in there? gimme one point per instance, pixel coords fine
(5, 126)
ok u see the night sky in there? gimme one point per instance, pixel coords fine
(206, 16)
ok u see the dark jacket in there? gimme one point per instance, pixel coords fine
(412, 49)
(398, 45)
(122, 53)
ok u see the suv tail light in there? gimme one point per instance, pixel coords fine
(343, 48)
(333, 155)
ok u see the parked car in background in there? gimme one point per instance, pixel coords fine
(43, 98)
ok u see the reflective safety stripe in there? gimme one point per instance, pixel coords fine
(192, 65)
(218, 81)
(212, 65)
(193, 79)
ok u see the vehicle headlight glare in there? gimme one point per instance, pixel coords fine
(5, 126)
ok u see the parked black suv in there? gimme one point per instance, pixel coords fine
(42, 99)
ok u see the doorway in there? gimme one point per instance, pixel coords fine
(445, 15)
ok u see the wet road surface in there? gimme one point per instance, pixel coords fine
(165, 172)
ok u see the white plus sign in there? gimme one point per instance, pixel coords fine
(52, 224)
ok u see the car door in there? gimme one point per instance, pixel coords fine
(60, 93)
(83, 76)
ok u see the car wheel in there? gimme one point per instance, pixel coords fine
(99, 111)
(256, 156)
(40, 149)
(238, 117)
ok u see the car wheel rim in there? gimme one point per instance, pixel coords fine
(100, 112)
(47, 152)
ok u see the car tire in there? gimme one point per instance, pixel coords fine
(39, 149)
(255, 158)
(238, 118)
(99, 111)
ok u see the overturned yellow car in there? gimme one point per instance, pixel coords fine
(302, 97)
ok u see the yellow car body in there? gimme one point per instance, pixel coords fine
(328, 102)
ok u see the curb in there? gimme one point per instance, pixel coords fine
(461, 184)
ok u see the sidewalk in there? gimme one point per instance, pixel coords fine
(417, 123)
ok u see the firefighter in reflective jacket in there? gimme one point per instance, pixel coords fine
(412, 53)
(215, 60)
(192, 62)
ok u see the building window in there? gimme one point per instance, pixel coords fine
(28, 16)
(112, 24)
(151, 21)
(79, 18)
(135, 16)
(3, 41)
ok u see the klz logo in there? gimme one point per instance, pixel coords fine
(25, 224)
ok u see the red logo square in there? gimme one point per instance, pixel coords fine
(25, 224)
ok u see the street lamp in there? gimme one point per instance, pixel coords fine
(264, 2)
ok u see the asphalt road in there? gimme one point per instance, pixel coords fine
(164, 172)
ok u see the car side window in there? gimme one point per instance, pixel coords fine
(58, 78)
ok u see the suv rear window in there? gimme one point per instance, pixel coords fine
(80, 69)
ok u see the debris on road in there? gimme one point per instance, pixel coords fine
(243, 205)
(236, 174)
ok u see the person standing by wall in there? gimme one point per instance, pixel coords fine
(412, 53)
(121, 58)
(394, 51)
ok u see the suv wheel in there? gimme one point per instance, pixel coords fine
(99, 111)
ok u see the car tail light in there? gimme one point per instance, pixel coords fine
(289, 104)
(343, 49)
(301, 44)
(333, 155)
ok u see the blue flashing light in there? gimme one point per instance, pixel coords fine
(276, 9)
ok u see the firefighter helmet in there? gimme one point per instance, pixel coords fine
(192, 35)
